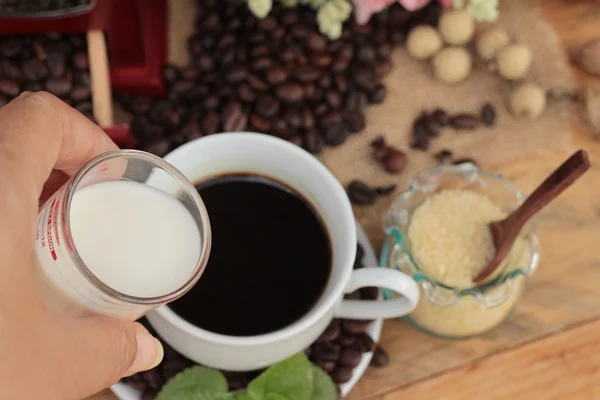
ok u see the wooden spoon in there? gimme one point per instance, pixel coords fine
(505, 232)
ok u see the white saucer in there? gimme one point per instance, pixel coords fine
(126, 392)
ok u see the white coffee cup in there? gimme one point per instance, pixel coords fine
(214, 155)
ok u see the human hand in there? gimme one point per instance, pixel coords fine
(44, 354)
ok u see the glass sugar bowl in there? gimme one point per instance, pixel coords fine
(437, 233)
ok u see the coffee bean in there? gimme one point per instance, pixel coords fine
(35, 69)
(3, 101)
(226, 41)
(335, 134)
(179, 89)
(296, 139)
(327, 366)
(170, 74)
(443, 156)
(464, 122)
(342, 375)
(430, 125)
(82, 78)
(345, 339)
(204, 63)
(380, 358)
(81, 93)
(365, 343)
(310, 92)
(210, 123)
(59, 86)
(366, 54)
(339, 65)
(321, 60)
(267, 24)
(159, 148)
(307, 73)
(346, 52)
(259, 123)
(260, 51)
(192, 130)
(321, 109)
(10, 70)
(80, 60)
(360, 252)
(234, 119)
(350, 357)
(261, 64)
(267, 106)
(211, 102)
(313, 143)
(141, 105)
(290, 92)
(236, 74)
(275, 75)
(441, 117)
(9, 87)
(326, 351)
(420, 142)
(333, 98)
(257, 84)
(378, 94)
(384, 50)
(364, 78)
(360, 193)
(382, 68)
(488, 114)
(300, 31)
(356, 101)
(331, 333)
(246, 94)
(356, 326)
(10, 48)
(341, 83)
(308, 120)
(355, 121)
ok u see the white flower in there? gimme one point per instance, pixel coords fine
(260, 8)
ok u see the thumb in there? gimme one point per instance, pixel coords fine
(103, 350)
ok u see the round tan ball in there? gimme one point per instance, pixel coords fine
(452, 65)
(490, 42)
(528, 101)
(457, 27)
(423, 42)
(514, 61)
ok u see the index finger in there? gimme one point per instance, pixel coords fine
(39, 133)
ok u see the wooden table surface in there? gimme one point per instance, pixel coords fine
(550, 349)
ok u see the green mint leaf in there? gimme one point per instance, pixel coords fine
(324, 388)
(290, 379)
(196, 383)
(241, 395)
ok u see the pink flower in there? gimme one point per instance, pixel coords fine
(363, 9)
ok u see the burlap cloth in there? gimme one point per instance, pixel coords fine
(412, 89)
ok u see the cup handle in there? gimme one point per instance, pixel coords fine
(372, 309)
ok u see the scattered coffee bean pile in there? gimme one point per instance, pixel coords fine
(338, 351)
(57, 63)
(429, 125)
(39, 6)
(277, 75)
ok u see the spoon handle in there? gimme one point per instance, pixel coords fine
(555, 184)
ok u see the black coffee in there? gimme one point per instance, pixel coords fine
(270, 258)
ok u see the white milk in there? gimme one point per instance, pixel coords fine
(134, 238)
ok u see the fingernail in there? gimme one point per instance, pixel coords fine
(149, 353)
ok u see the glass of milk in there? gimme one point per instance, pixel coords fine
(126, 234)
